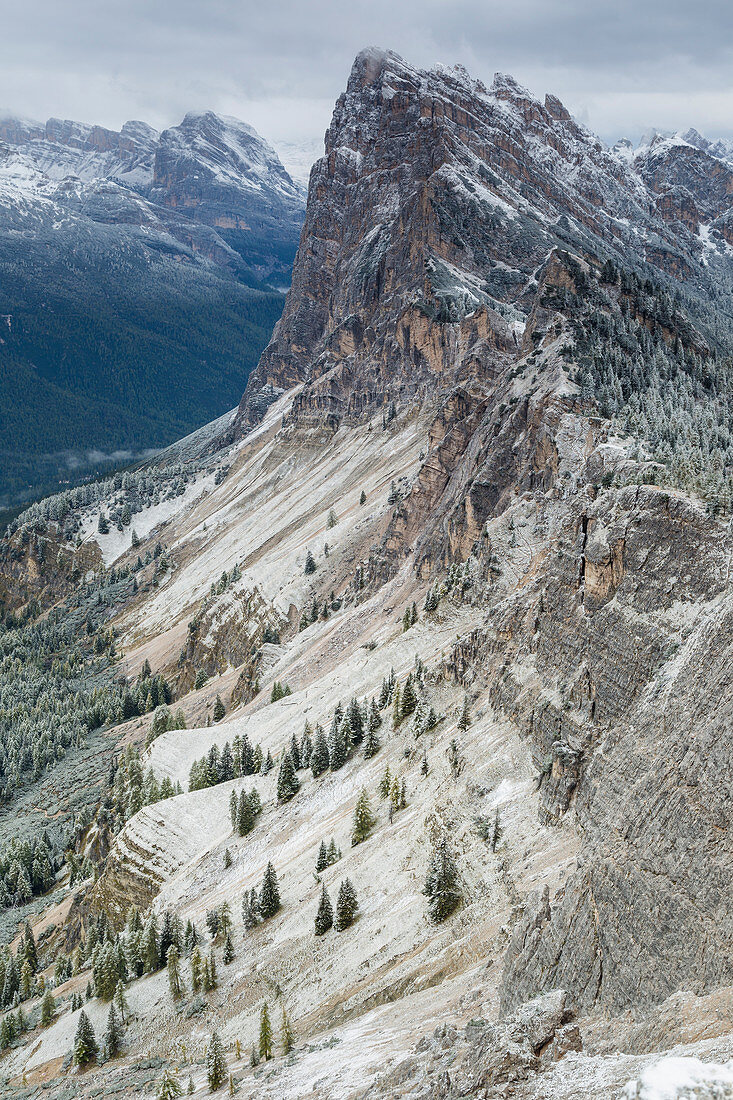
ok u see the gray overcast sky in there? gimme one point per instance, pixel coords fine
(620, 67)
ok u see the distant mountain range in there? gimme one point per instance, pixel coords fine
(141, 274)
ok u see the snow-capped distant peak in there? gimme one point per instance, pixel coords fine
(298, 157)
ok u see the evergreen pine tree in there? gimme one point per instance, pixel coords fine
(306, 747)
(48, 1008)
(385, 783)
(174, 973)
(364, 820)
(355, 715)
(310, 564)
(324, 916)
(384, 695)
(287, 780)
(287, 1035)
(197, 969)
(269, 901)
(121, 1002)
(394, 794)
(85, 1041)
(113, 1034)
(225, 918)
(250, 909)
(372, 743)
(334, 853)
(265, 1049)
(409, 698)
(362, 498)
(245, 816)
(26, 980)
(338, 748)
(346, 906)
(441, 885)
(28, 947)
(228, 953)
(216, 1066)
(465, 718)
(219, 709)
(320, 758)
(322, 860)
(396, 706)
(149, 946)
(191, 1087)
(169, 1086)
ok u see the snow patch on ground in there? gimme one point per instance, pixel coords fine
(682, 1079)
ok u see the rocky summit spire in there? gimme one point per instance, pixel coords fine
(435, 204)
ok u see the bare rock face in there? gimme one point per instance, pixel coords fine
(646, 912)
(486, 1057)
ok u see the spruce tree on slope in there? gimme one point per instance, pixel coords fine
(174, 973)
(269, 901)
(287, 1035)
(409, 698)
(121, 1002)
(265, 1047)
(324, 916)
(287, 781)
(320, 758)
(169, 1086)
(197, 969)
(322, 860)
(216, 1067)
(371, 742)
(85, 1042)
(441, 885)
(113, 1034)
(364, 820)
(245, 816)
(48, 1008)
(346, 906)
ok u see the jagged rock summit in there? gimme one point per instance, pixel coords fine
(439, 198)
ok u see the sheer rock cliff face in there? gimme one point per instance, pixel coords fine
(437, 223)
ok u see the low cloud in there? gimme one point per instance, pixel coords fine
(623, 67)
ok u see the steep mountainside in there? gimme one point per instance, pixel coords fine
(140, 280)
(441, 616)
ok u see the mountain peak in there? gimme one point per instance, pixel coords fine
(504, 86)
